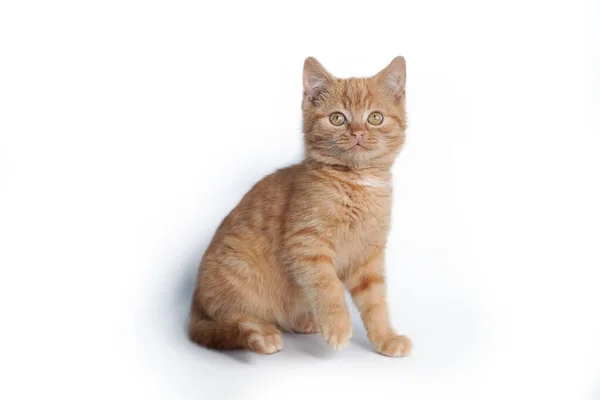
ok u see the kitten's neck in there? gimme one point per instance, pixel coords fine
(364, 176)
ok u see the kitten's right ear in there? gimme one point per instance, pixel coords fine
(315, 79)
(393, 78)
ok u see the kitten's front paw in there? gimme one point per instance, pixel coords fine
(337, 331)
(395, 346)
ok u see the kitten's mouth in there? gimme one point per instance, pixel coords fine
(357, 147)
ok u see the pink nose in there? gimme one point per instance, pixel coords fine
(359, 136)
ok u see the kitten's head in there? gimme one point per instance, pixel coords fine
(355, 122)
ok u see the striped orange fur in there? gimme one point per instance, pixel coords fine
(283, 257)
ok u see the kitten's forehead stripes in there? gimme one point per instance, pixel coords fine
(355, 93)
(355, 97)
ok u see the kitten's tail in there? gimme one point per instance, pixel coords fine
(217, 335)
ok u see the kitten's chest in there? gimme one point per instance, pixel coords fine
(361, 221)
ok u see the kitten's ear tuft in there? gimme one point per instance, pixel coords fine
(393, 78)
(315, 79)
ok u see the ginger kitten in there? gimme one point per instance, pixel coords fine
(282, 258)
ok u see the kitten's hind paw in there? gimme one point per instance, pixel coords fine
(263, 339)
(265, 344)
(306, 324)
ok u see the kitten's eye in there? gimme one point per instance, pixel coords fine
(337, 119)
(375, 118)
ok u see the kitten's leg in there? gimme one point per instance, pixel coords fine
(367, 287)
(311, 263)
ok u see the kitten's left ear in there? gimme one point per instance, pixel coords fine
(393, 78)
(315, 79)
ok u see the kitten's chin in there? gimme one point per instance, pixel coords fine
(358, 148)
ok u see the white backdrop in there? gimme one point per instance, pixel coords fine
(128, 130)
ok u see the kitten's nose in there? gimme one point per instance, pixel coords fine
(359, 135)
